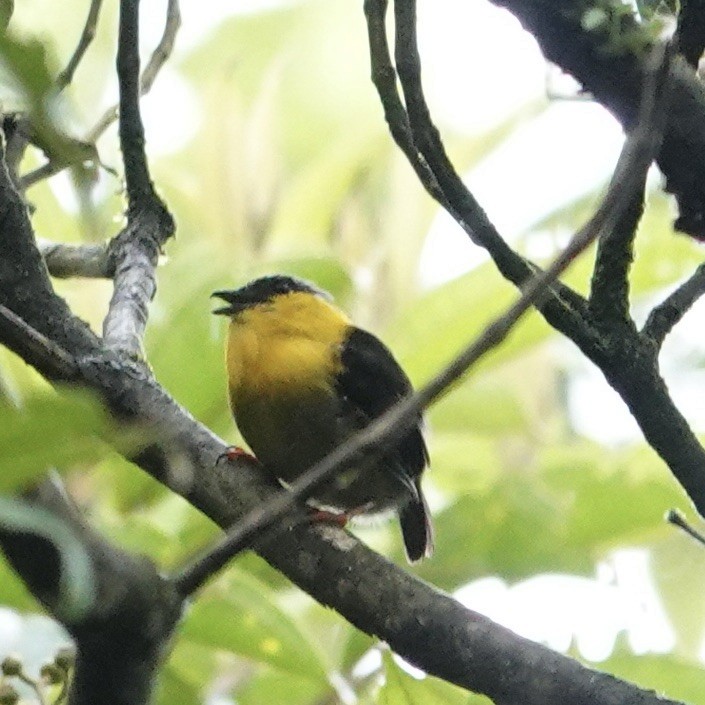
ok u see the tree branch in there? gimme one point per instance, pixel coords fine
(609, 286)
(34, 347)
(690, 31)
(664, 317)
(86, 39)
(609, 294)
(627, 181)
(64, 261)
(564, 308)
(613, 75)
(121, 633)
(628, 361)
(134, 252)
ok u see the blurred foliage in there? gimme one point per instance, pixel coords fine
(287, 166)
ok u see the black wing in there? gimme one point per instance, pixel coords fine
(372, 381)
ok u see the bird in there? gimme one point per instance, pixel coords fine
(301, 380)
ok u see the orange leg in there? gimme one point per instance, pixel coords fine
(338, 518)
(323, 516)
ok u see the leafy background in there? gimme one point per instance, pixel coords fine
(282, 163)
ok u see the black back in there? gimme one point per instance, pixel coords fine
(372, 381)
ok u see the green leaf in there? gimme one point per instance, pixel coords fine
(13, 592)
(675, 678)
(456, 313)
(562, 511)
(186, 675)
(54, 431)
(480, 406)
(245, 619)
(678, 570)
(269, 686)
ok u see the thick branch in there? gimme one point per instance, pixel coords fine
(690, 32)
(614, 78)
(428, 628)
(122, 634)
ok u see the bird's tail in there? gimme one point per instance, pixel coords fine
(416, 528)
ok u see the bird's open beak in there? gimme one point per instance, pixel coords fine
(231, 298)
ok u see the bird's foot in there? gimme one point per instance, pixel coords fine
(232, 453)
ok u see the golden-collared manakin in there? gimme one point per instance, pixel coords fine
(302, 378)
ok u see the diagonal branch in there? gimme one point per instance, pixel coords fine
(438, 176)
(626, 183)
(411, 616)
(664, 317)
(46, 355)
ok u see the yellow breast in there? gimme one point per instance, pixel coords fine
(286, 346)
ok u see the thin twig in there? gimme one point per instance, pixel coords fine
(636, 156)
(664, 317)
(87, 36)
(160, 55)
(384, 78)
(565, 305)
(164, 49)
(609, 293)
(677, 519)
(137, 178)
